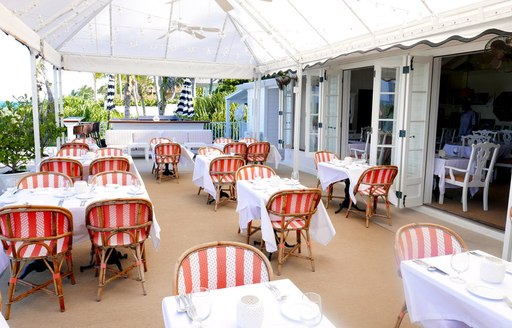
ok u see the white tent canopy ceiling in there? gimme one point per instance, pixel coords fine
(234, 38)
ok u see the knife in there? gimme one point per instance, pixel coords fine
(430, 267)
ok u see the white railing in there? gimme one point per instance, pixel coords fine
(233, 130)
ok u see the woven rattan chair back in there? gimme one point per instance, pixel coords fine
(257, 152)
(70, 167)
(122, 178)
(219, 265)
(45, 180)
(113, 163)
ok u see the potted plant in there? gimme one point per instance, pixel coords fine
(16, 141)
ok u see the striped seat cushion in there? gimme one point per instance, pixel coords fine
(119, 239)
(220, 267)
(375, 191)
(296, 224)
(223, 178)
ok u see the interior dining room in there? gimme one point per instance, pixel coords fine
(482, 80)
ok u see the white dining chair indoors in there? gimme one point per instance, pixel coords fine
(477, 174)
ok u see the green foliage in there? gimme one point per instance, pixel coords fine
(85, 92)
(16, 134)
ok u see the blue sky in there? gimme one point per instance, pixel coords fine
(15, 71)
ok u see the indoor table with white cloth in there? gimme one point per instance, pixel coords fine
(440, 171)
(435, 300)
(330, 172)
(253, 196)
(273, 156)
(77, 204)
(284, 313)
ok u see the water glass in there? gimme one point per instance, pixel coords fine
(311, 309)
(200, 305)
(295, 177)
(135, 186)
(460, 264)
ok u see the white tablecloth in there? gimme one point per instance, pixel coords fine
(432, 296)
(359, 145)
(46, 196)
(224, 307)
(461, 151)
(252, 205)
(329, 173)
(440, 171)
(273, 156)
(201, 175)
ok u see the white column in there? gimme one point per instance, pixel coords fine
(296, 120)
(35, 107)
(257, 107)
(61, 106)
(56, 97)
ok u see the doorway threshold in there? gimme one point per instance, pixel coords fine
(461, 222)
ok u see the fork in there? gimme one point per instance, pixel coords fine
(82, 203)
(61, 202)
(276, 292)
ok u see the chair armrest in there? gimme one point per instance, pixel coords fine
(452, 168)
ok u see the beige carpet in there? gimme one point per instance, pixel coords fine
(355, 272)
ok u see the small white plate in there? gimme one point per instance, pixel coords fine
(485, 292)
(9, 199)
(85, 196)
(291, 310)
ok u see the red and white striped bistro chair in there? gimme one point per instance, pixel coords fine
(167, 154)
(326, 156)
(115, 224)
(70, 167)
(222, 140)
(74, 144)
(220, 264)
(236, 148)
(152, 143)
(209, 150)
(109, 151)
(248, 140)
(420, 240)
(250, 172)
(113, 163)
(257, 152)
(122, 178)
(222, 172)
(87, 141)
(45, 180)
(375, 182)
(71, 152)
(291, 211)
(30, 232)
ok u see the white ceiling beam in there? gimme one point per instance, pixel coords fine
(70, 7)
(85, 21)
(12, 25)
(162, 67)
(308, 22)
(244, 35)
(358, 17)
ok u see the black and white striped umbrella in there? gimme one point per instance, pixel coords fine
(185, 105)
(111, 90)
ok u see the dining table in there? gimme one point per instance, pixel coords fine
(435, 300)
(465, 151)
(273, 156)
(77, 204)
(253, 196)
(334, 171)
(201, 174)
(276, 313)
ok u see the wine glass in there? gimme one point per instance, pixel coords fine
(200, 305)
(311, 309)
(459, 263)
(135, 186)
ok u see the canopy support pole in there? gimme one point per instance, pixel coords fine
(35, 107)
(61, 107)
(297, 89)
(257, 105)
(56, 98)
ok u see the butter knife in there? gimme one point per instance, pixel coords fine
(430, 267)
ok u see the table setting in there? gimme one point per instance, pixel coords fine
(472, 287)
(253, 196)
(273, 304)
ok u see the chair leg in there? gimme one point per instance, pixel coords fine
(102, 274)
(249, 228)
(401, 315)
(349, 208)
(280, 253)
(310, 251)
(388, 210)
(140, 268)
(368, 210)
(57, 282)
(15, 268)
(465, 199)
(486, 198)
(69, 262)
(199, 191)
(176, 174)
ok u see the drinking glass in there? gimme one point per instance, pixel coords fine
(456, 151)
(459, 263)
(311, 309)
(200, 305)
(135, 186)
(295, 177)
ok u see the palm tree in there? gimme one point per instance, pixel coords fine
(95, 77)
(168, 89)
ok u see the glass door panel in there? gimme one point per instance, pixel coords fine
(314, 110)
(331, 113)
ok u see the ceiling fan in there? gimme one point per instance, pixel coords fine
(195, 31)
(500, 50)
